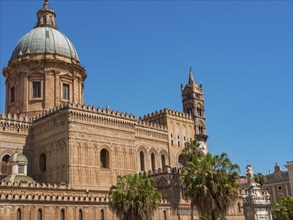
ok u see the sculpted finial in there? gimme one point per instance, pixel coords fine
(249, 174)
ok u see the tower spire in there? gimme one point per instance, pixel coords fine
(191, 80)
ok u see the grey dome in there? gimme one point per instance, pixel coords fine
(42, 40)
(17, 158)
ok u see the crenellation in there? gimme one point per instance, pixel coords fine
(163, 113)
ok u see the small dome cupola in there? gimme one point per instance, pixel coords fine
(46, 17)
(18, 169)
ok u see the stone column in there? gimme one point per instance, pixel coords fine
(257, 204)
(289, 166)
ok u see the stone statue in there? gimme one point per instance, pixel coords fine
(249, 174)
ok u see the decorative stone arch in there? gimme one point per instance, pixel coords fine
(5, 153)
(4, 161)
(104, 157)
(153, 158)
(180, 160)
(201, 129)
(199, 109)
(163, 158)
(142, 155)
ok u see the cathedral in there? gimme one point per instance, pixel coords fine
(59, 156)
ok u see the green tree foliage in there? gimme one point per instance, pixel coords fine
(209, 182)
(283, 209)
(134, 197)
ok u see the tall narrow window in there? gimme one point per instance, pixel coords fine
(18, 214)
(102, 214)
(153, 162)
(37, 89)
(12, 94)
(189, 110)
(62, 214)
(200, 129)
(80, 214)
(164, 215)
(239, 207)
(65, 91)
(40, 214)
(104, 158)
(4, 165)
(141, 157)
(44, 20)
(50, 20)
(163, 160)
(42, 162)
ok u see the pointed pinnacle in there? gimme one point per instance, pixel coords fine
(191, 80)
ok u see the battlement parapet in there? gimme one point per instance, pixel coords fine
(87, 108)
(15, 117)
(164, 112)
(14, 123)
(36, 192)
(151, 125)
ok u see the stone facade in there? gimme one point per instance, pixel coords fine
(75, 151)
(278, 183)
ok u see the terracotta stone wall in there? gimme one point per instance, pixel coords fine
(52, 74)
(14, 136)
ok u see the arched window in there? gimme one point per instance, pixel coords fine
(189, 110)
(102, 214)
(198, 111)
(181, 161)
(239, 207)
(164, 215)
(40, 214)
(4, 164)
(50, 20)
(12, 94)
(153, 161)
(44, 20)
(80, 215)
(104, 158)
(200, 129)
(163, 161)
(42, 162)
(18, 214)
(62, 214)
(141, 158)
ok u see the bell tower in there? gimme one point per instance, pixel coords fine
(193, 104)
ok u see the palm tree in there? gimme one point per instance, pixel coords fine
(209, 182)
(134, 197)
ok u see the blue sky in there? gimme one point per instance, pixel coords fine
(137, 53)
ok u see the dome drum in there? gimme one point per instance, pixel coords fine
(44, 70)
